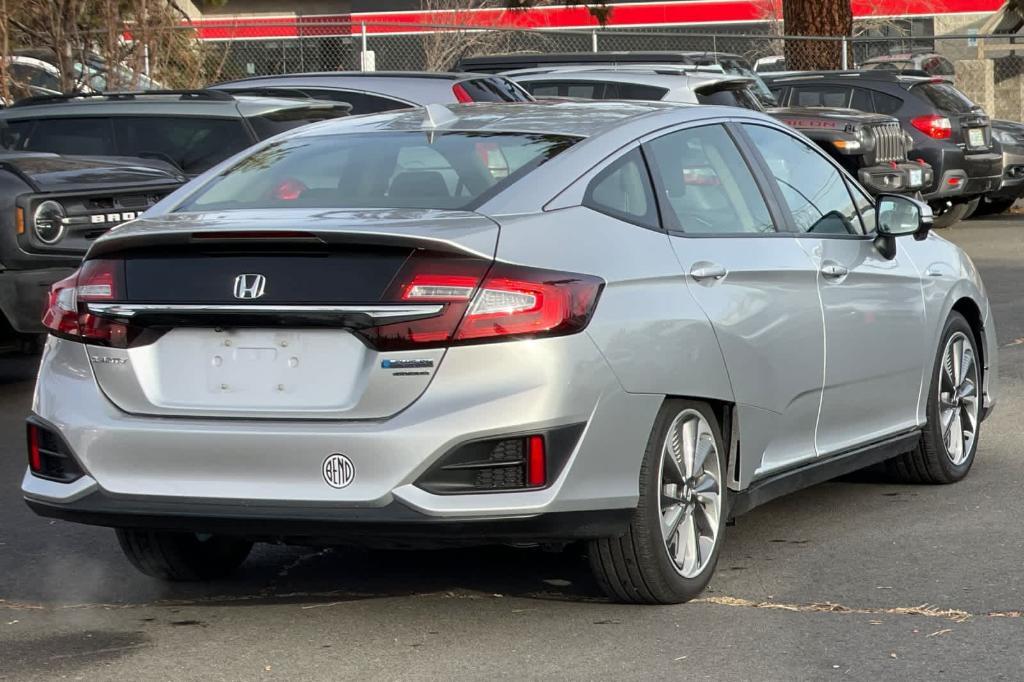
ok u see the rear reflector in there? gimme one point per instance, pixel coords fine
(536, 462)
(49, 457)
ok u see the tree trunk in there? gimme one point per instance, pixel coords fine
(816, 18)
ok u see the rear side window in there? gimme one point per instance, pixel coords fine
(732, 98)
(886, 104)
(494, 90)
(706, 186)
(634, 91)
(275, 122)
(623, 191)
(944, 97)
(861, 100)
(193, 144)
(87, 136)
(438, 170)
(821, 96)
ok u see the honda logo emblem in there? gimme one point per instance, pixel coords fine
(250, 286)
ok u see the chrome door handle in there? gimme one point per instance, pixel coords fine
(708, 271)
(834, 270)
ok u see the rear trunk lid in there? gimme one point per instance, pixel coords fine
(264, 314)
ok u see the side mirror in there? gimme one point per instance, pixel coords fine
(900, 215)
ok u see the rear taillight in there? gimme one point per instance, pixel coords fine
(934, 126)
(461, 95)
(67, 312)
(506, 301)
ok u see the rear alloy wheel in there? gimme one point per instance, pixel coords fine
(182, 557)
(670, 550)
(949, 441)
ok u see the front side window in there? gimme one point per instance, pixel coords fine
(193, 144)
(706, 186)
(814, 190)
(623, 190)
(429, 170)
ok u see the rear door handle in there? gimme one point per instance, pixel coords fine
(834, 271)
(703, 271)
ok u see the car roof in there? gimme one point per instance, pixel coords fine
(142, 104)
(430, 75)
(620, 57)
(665, 69)
(670, 79)
(880, 75)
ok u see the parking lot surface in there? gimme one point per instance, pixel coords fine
(851, 579)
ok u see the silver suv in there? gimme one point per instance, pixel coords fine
(615, 322)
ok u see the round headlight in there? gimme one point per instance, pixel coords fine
(48, 222)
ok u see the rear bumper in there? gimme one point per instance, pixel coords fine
(23, 296)
(958, 174)
(1012, 185)
(896, 177)
(394, 522)
(180, 472)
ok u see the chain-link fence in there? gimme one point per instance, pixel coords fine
(990, 68)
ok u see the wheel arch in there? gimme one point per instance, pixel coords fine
(728, 422)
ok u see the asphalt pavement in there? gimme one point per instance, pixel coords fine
(852, 579)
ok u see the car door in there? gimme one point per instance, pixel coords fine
(873, 305)
(754, 282)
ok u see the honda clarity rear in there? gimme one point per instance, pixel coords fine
(512, 323)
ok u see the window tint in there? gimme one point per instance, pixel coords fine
(707, 187)
(493, 90)
(945, 97)
(814, 189)
(362, 103)
(822, 96)
(742, 98)
(886, 104)
(26, 74)
(623, 190)
(89, 136)
(866, 206)
(442, 170)
(14, 133)
(563, 88)
(861, 100)
(193, 144)
(634, 91)
(275, 122)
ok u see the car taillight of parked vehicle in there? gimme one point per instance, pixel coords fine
(934, 126)
(507, 301)
(461, 95)
(67, 313)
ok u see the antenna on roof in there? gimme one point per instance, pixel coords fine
(438, 115)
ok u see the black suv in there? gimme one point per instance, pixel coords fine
(950, 132)
(52, 208)
(192, 129)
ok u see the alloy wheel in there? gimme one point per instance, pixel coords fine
(958, 397)
(691, 499)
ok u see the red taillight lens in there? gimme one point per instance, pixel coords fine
(934, 126)
(67, 310)
(461, 95)
(509, 301)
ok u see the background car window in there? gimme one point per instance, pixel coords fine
(193, 144)
(34, 75)
(634, 91)
(362, 103)
(885, 104)
(733, 97)
(945, 97)
(708, 187)
(623, 190)
(861, 100)
(814, 189)
(274, 122)
(493, 90)
(87, 136)
(14, 133)
(822, 96)
(446, 170)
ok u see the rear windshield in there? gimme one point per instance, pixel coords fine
(421, 169)
(945, 97)
(732, 98)
(275, 122)
(494, 90)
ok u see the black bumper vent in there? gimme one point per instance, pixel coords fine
(49, 456)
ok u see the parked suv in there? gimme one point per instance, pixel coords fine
(374, 91)
(871, 147)
(192, 130)
(52, 208)
(1010, 136)
(951, 133)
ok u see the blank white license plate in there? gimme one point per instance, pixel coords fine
(916, 177)
(976, 137)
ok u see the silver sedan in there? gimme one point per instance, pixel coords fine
(617, 323)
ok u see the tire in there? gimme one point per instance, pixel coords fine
(972, 208)
(181, 557)
(995, 206)
(636, 568)
(936, 459)
(950, 217)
